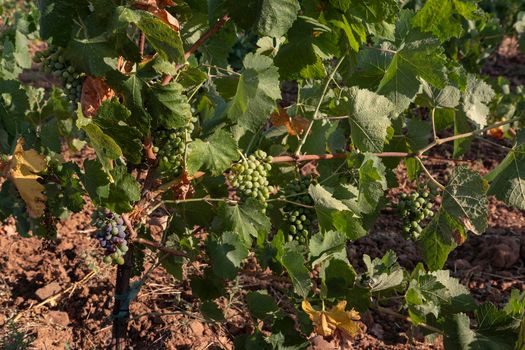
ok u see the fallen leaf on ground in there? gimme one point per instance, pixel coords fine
(24, 167)
(327, 322)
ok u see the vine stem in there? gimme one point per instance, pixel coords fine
(406, 318)
(160, 247)
(318, 108)
(213, 29)
(433, 118)
(465, 135)
(142, 43)
(429, 175)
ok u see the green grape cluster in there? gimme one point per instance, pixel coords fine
(111, 234)
(300, 219)
(250, 176)
(53, 62)
(171, 151)
(414, 210)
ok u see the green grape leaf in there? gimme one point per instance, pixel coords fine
(475, 99)
(93, 55)
(276, 17)
(95, 181)
(262, 306)
(166, 41)
(293, 262)
(338, 277)
(215, 155)
(247, 220)
(423, 297)
(105, 147)
(396, 73)
(457, 297)
(464, 199)
(495, 330)
(14, 104)
(300, 56)
(461, 126)
(383, 274)
(168, 106)
(334, 214)
(444, 18)
(326, 246)
(132, 88)
(439, 238)
(508, 178)
(372, 183)
(419, 133)
(226, 254)
(123, 192)
(369, 119)
(58, 18)
(257, 91)
(268, 17)
(212, 312)
(448, 97)
(112, 118)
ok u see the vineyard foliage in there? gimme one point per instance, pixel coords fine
(186, 105)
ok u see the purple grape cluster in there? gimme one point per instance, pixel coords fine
(111, 235)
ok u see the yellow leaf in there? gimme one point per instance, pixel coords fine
(326, 322)
(23, 173)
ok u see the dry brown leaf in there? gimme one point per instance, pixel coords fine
(327, 322)
(295, 125)
(497, 133)
(157, 8)
(24, 167)
(94, 92)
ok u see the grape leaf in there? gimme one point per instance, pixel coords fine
(57, 19)
(276, 17)
(372, 183)
(123, 191)
(464, 199)
(439, 238)
(23, 172)
(215, 155)
(338, 276)
(112, 119)
(132, 88)
(246, 220)
(168, 106)
(326, 246)
(334, 214)
(385, 273)
(95, 181)
(166, 41)
(444, 18)
(397, 72)
(293, 262)
(226, 254)
(262, 306)
(257, 91)
(14, 104)
(508, 178)
(105, 147)
(268, 17)
(300, 56)
(475, 99)
(369, 119)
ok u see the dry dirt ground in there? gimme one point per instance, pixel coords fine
(58, 295)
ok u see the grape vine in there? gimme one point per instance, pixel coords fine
(178, 97)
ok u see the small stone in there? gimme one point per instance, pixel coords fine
(197, 328)
(319, 343)
(59, 317)
(48, 290)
